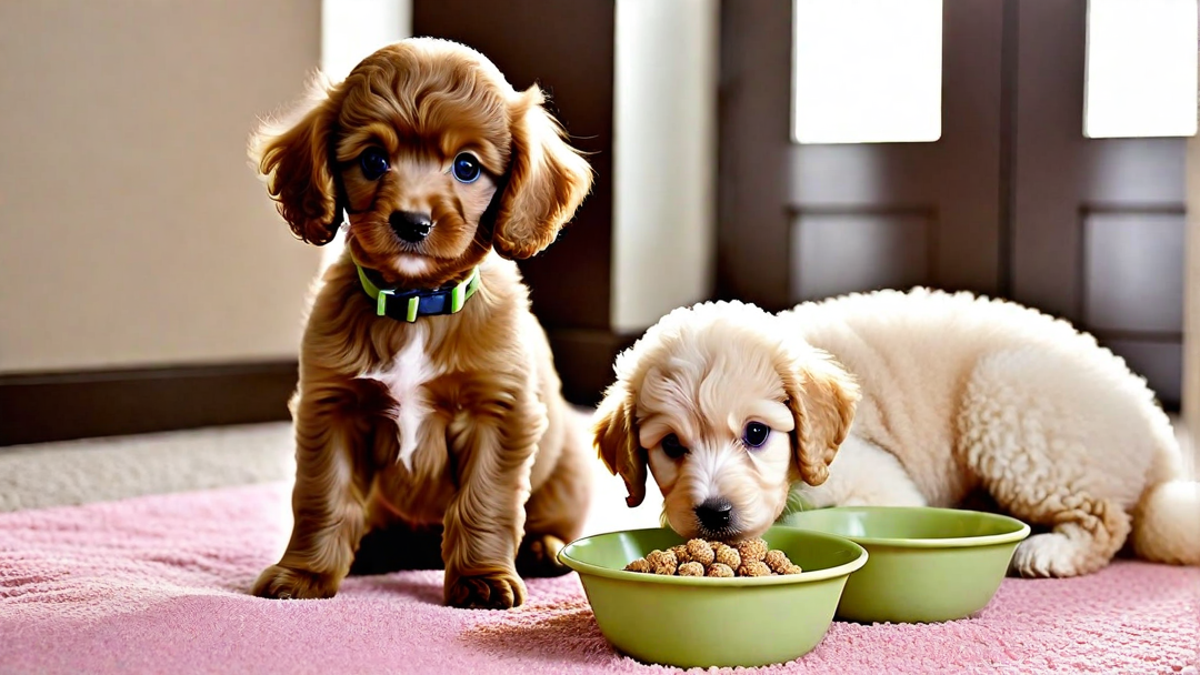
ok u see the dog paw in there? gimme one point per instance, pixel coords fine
(284, 583)
(496, 590)
(1046, 555)
(538, 556)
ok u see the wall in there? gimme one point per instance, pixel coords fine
(136, 234)
(134, 231)
(665, 157)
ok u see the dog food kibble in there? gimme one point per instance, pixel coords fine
(777, 561)
(639, 565)
(658, 558)
(728, 556)
(681, 554)
(700, 551)
(700, 558)
(754, 568)
(658, 562)
(752, 550)
(720, 570)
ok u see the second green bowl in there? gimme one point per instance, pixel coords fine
(926, 564)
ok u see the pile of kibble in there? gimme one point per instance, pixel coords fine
(699, 558)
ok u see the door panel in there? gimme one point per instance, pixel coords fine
(911, 213)
(837, 253)
(1128, 258)
(1098, 224)
(753, 226)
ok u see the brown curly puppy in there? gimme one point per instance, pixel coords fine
(427, 390)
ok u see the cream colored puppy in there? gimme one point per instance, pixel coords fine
(951, 396)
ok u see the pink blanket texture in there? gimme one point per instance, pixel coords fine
(158, 585)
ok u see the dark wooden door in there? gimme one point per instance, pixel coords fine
(1013, 200)
(1097, 223)
(808, 221)
(570, 283)
(900, 214)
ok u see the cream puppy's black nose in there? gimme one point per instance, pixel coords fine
(714, 514)
(409, 226)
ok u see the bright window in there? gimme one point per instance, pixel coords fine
(866, 71)
(1141, 68)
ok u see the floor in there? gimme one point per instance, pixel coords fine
(91, 470)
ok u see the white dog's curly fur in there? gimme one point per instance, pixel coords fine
(933, 398)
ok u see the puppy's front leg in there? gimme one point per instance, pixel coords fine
(333, 477)
(494, 447)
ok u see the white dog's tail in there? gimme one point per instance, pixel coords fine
(1166, 522)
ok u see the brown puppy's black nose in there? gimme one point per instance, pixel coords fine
(714, 514)
(409, 226)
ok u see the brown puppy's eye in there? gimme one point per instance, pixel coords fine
(374, 163)
(673, 447)
(755, 434)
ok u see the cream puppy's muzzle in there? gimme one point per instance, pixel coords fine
(728, 483)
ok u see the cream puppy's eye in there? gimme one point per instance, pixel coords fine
(671, 445)
(755, 434)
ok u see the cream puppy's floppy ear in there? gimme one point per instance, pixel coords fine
(547, 181)
(822, 397)
(618, 444)
(295, 161)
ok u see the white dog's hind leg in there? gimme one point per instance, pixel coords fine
(1084, 541)
(1060, 440)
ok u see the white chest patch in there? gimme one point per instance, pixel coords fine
(412, 265)
(405, 378)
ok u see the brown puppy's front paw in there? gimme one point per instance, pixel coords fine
(538, 556)
(285, 583)
(496, 590)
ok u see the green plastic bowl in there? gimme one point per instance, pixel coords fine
(927, 564)
(703, 621)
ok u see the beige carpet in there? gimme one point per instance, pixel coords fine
(91, 470)
(78, 472)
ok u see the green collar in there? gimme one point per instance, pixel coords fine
(408, 305)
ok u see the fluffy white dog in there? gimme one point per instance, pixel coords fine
(932, 398)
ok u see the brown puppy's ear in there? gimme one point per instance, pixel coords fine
(295, 161)
(822, 397)
(547, 181)
(617, 442)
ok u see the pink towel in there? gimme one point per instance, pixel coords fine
(157, 585)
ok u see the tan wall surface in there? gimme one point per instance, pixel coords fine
(132, 230)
